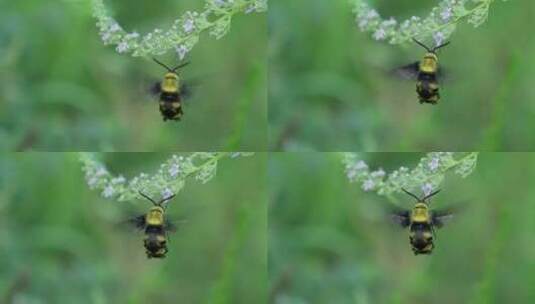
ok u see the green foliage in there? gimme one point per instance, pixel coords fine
(439, 24)
(427, 176)
(183, 34)
(168, 180)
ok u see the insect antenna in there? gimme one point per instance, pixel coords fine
(411, 194)
(148, 197)
(425, 198)
(162, 64)
(423, 45)
(180, 66)
(440, 46)
(163, 200)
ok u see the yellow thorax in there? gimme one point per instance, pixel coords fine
(155, 216)
(170, 83)
(420, 213)
(429, 64)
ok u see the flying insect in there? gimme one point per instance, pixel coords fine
(421, 222)
(171, 92)
(426, 72)
(155, 226)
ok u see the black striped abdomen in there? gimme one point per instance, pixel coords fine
(427, 88)
(170, 106)
(169, 97)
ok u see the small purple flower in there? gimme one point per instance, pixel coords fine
(166, 193)
(182, 51)
(188, 26)
(108, 191)
(368, 185)
(446, 14)
(122, 47)
(378, 174)
(380, 34)
(434, 163)
(427, 188)
(439, 37)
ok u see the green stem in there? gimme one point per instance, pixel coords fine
(209, 162)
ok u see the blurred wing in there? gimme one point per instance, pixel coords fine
(441, 217)
(189, 87)
(443, 76)
(155, 89)
(172, 226)
(409, 71)
(400, 217)
(137, 222)
(186, 90)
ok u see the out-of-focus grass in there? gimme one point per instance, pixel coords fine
(61, 242)
(330, 90)
(62, 89)
(329, 242)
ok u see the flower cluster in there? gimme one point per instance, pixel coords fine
(184, 32)
(426, 176)
(439, 24)
(169, 179)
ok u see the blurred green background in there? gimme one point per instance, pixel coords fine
(61, 243)
(329, 242)
(61, 89)
(329, 90)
